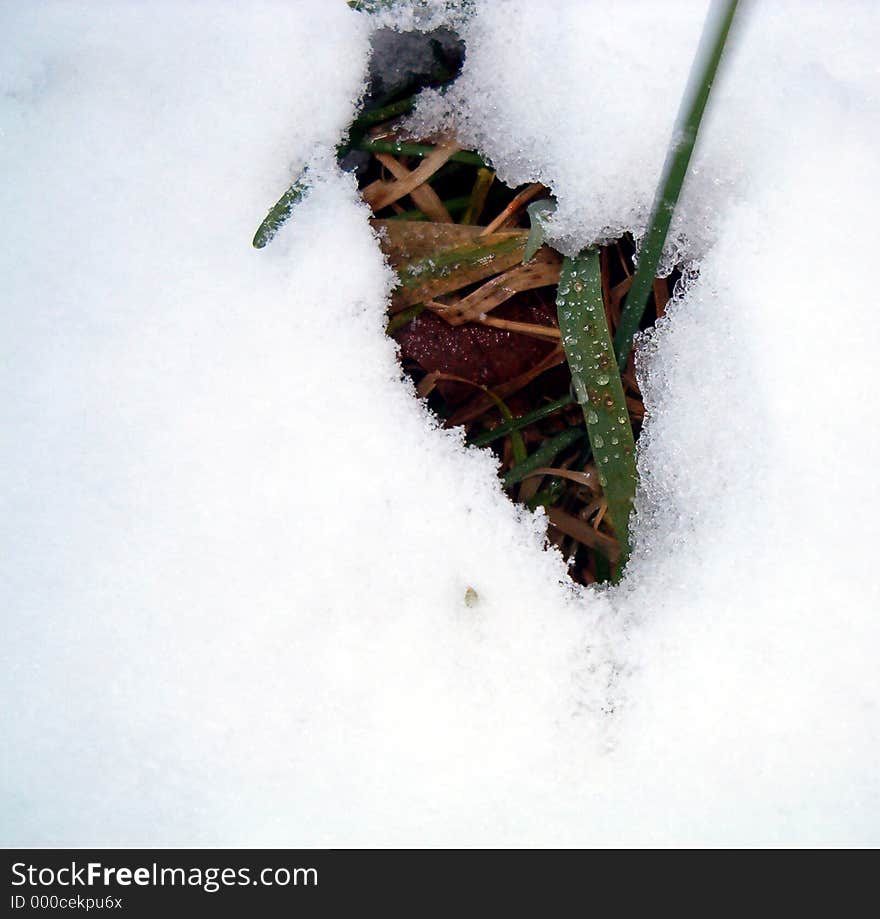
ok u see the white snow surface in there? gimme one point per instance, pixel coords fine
(235, 547)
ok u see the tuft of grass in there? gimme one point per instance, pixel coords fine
(693, 105)
(596, 380)
(485, 287)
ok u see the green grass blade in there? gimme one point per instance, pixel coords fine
(390, 110)
(486, 438)
(281, 211)
(516, 441)
(536, 211)
(544, 455)
(385, 113)
(596, 379)
(703, 71)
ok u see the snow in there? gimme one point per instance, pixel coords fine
(236, 549)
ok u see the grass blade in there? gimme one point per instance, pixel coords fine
(482, 184)
(596, 379)
(516, 440)
(390, 110)
(581, 531)
(384, 113)
(542, 271)
(476, 407)
(536, 210)
(523, 421)
(543, 456)
(405, 240)
(423, 196)
(288, 201)
(703, 71)
(450, 269)
(381, 193)
(281, 211)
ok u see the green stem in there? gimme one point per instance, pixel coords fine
(385, 113)
(523, 421)
(703, 71)
(596, 379)
(543, 456)
(516, 441)
(391, 110)
(281, 210)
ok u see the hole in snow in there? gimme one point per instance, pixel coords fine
(476, 325)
